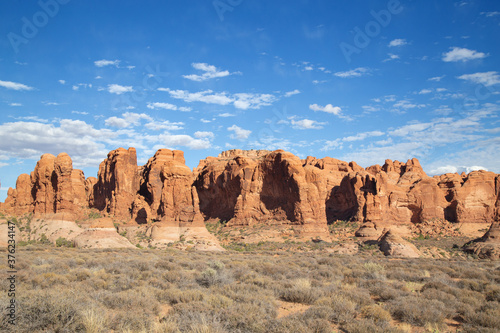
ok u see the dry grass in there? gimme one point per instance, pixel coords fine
(78, 290)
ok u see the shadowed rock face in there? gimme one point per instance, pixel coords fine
(118, 183)
(261, 188)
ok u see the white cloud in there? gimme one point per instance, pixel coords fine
(62, 81)
(391, 57)
(291, 93)
(362, 136)
(173, 141)
(202, 134)
(75, 88)
(490, 14)
(104, 62)
(305, 123)
(118, 89)
(246, 101)
(239, 133)
(50, 103)
(211, 72)
(436, 78)
(370, 108)
(241, 100)
(360, 71)
(206, 96)
(486, 78)
(406, 105)
(226, 114)
(397, 42)
(128, 119)
(166, 106)
(164, 125)
(15, 104)
(14, 85)
(81, 141)
(329, 108)
(455, 169)
(80, 112)
(424, 91)
(462, 54)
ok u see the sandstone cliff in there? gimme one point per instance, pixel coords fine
(248, 188)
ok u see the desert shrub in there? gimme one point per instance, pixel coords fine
(300, 291)
(449, 300)
(487, 316)
(94, 320)
(376, 313)
(174, 296)
(369, 326)
(360, 296)
(475, 285)
(63, 242)
(417, 311)
(493, 293)
(299, 324)
(385, 292)
(343, 309)
(49, 310)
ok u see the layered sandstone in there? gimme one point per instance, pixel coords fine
(53, 187)
(262, 188)
(118, 183)
(257, 187)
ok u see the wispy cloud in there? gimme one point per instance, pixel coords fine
(486, 78)
(128, 119)
(119, 89)
(240, 100)
(167, 106)
(397, 42)
(15, 104)
(104, 62)
(462, 54)
(239, 133)
(211, 72)
(304, 124)
(436, 78)
(291, 93)
(360, 71)
(329, 108)
(14, 85)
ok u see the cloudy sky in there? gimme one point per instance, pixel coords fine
(362, 81)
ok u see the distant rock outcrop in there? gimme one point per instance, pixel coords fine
(254, 188)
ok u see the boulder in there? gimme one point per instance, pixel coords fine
(488, 246)
(391, 244)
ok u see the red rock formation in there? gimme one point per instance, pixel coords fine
(118, 183)
(471, 198)
(262, 188)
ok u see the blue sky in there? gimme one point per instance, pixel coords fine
(362, 81)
